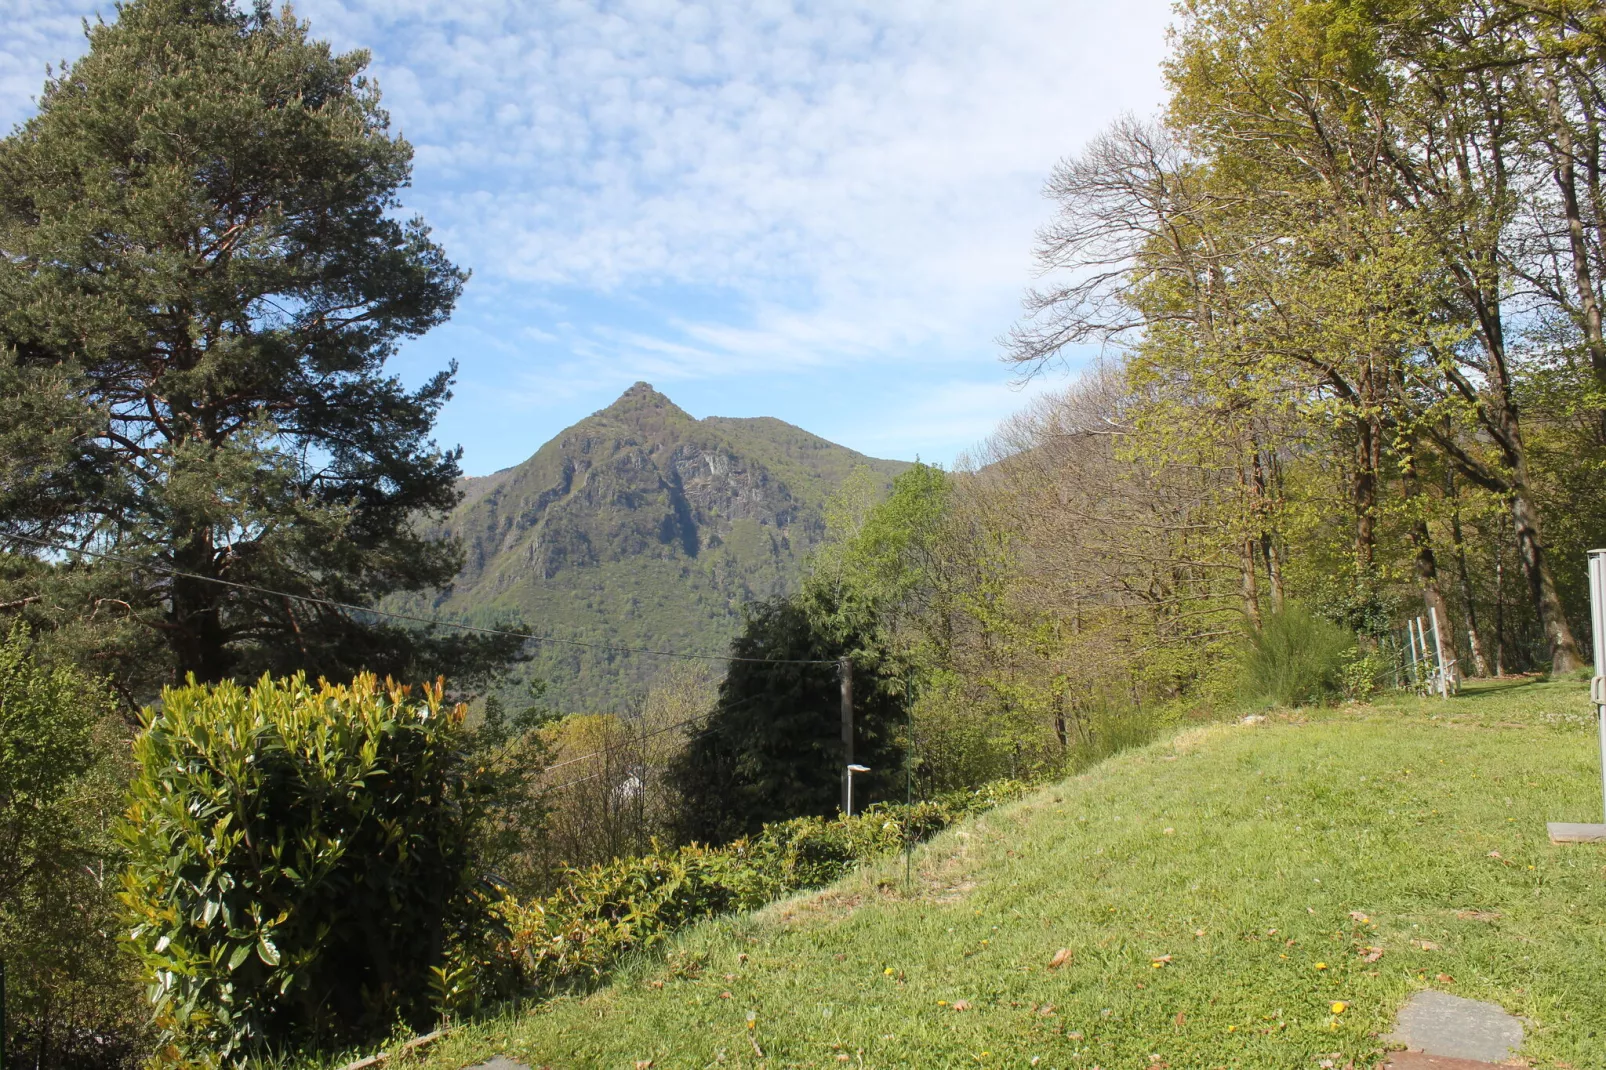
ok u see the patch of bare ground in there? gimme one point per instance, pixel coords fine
(947, 877)
(822, 907)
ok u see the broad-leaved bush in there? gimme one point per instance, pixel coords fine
(302, 862)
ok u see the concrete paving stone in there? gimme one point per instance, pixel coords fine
(1437, 1023)
(501, 1062)
(1417, 1060)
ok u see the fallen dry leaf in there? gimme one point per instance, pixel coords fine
(1371, 954)
(1427, 945)
(1061, 957)
(1478, 915)
(643, 1064)
(961, 1005)
(1180, 1020)
(724, 995)
(1045, 1010)
(730, 977)
(1445, 979)
(1359, 916)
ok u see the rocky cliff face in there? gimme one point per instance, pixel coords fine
(642, 526)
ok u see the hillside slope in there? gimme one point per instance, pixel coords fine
(1220, 894)
(641, 526)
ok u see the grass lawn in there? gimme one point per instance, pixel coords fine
(1222, 893)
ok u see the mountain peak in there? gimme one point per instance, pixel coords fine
(640, 526)
(640, 399)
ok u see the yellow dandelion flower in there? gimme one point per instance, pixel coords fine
(1321, 965)
(1339, 1006)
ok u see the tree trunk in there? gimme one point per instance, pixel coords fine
(1274, 570)
(1363, 491)
(1427, 566)
(1564, 161)
(1480, 662)
(1500, 603)
(1251, 587)
(1564, 656)
(1265, 489)
(196, 634)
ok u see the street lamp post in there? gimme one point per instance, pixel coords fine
(851, 770)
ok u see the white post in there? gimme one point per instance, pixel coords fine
(1597, 685)
(1566, 831)
(1438, 654)
(1422, 645)
(1410, 635)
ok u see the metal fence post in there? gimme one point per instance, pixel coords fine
(1438, 654)
(1597, 682)
(1568, 832)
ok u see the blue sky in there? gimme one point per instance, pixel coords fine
(817, 211)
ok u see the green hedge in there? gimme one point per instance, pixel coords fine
(304, 872)
(604, 912)
(301, 863)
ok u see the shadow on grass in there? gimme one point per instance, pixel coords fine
(1482, 689)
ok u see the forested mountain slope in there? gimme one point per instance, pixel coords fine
(641, 526)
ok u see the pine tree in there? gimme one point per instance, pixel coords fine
(204, 273)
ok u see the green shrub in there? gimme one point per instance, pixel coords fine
(1297, 658)
(71, 996)
(1364, 672)
(301, 863)
(606, 911)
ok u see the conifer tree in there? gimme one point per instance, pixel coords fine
(204, 273)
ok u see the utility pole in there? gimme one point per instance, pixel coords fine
(844, 669)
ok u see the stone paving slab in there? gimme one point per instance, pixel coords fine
(1418, 1060)
(502, 1062)
(1573, 832)
(1439, 1024)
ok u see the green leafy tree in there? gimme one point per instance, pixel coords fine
(204, 274)
(772, 748)
(62, 771)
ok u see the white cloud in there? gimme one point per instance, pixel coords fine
(838, 183)
(864, 176)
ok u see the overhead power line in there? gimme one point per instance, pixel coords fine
(604, 772)
(611, 749)
(330, 603)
